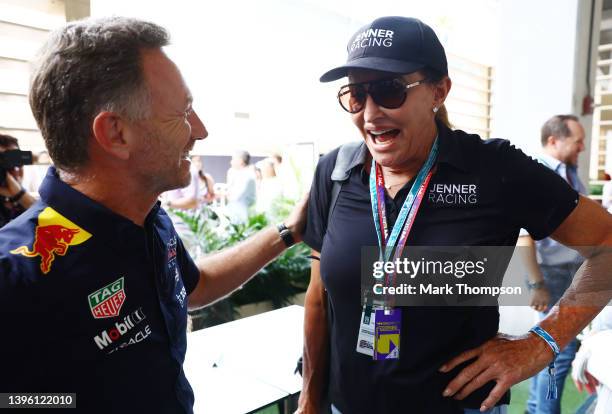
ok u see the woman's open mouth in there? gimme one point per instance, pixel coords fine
(383, 136)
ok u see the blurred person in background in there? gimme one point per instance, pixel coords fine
(270, 188)
(277, 161)
(592, 367)
(551, 266)
(15, 198)
(241, 187)
(207, 182)
(186, 198)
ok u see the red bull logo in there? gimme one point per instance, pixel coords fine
(54, 234)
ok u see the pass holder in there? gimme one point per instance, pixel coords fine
(387, 333)
(365, 339)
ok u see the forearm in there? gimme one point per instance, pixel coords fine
(590, 291)
(223, 272)
(316, 353)
(528, 254)
(27, 200)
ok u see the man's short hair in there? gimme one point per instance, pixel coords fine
(244, 156)
(277, 157)
(557, 127)
(7, 141)
(86, 67)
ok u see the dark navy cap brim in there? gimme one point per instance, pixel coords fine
(397, 67)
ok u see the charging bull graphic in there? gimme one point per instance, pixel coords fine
(54, 234)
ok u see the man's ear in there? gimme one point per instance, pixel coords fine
(108, 131)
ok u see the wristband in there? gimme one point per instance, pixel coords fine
(535, 285)
(285, 234)
(552, 393)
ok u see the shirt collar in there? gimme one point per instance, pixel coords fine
(553, 163)
(87, 213)
(449, 151)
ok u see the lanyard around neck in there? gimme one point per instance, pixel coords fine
(407, 214)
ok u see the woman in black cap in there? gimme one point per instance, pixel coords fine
(434, 187)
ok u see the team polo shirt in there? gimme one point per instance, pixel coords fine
(481, 194)
(94, 304)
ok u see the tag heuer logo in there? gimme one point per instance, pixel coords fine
(107, 301)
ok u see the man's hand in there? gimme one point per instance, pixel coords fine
(297, 219)
(504, 359)
(11, 188)
(540, 298)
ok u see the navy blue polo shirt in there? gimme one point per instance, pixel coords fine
(94, 304)
(481, 194)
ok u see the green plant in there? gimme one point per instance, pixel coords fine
(209, 230)
(595, 189)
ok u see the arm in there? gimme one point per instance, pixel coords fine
(510, 359)
(209, 182)
(223, 272)
(316, 343)
(540, 296)
(12, 188)
(184, 203)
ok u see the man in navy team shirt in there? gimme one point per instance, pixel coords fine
(94, 282)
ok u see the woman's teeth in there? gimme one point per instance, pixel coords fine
(383, 135)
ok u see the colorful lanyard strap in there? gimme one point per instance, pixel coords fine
(403, 224)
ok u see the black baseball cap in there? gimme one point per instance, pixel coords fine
(393, 44)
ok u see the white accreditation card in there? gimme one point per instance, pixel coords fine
(367, 326)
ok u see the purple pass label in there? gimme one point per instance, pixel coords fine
(388, 324)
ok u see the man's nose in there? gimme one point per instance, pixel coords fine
(198, 130)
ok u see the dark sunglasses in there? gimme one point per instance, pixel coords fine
(387, 93)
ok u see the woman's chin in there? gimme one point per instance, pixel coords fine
(385, 160)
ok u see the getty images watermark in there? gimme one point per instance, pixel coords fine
(447, 276)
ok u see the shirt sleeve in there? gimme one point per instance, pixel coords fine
(318, 203)
(189, 270)
(536, 197)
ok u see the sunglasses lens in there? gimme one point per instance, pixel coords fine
(352, 98)
(389, 94)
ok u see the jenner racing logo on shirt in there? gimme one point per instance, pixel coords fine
(53, 235)
(453, 194)
(107, 301)
(115, 337)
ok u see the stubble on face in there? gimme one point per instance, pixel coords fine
(165, 137)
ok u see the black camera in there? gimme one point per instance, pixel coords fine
(11, 159)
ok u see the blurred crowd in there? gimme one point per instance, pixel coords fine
(248, 186)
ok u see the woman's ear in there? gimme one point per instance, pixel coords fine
(441, 90)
